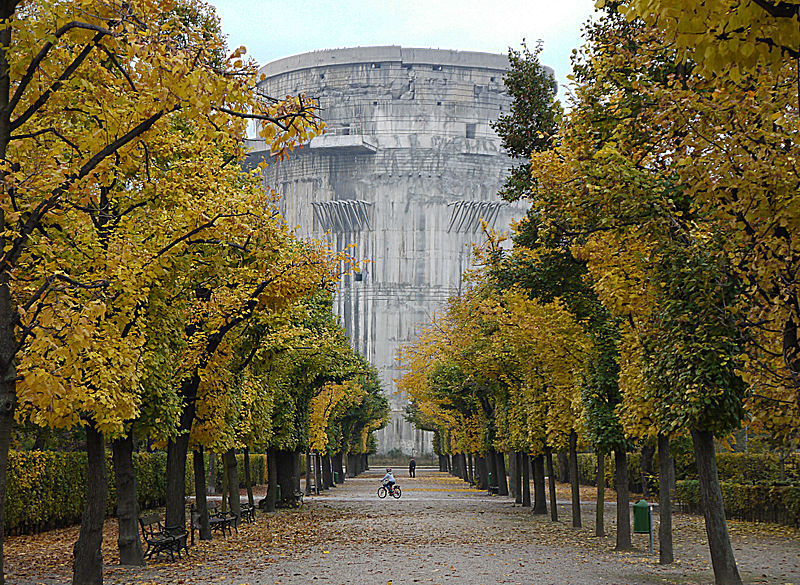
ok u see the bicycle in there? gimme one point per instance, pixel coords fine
(384, 491)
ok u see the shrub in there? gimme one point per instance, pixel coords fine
(758, 503)
(46, 489)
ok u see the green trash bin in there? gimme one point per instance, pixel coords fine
(642, 522)
(335, 477)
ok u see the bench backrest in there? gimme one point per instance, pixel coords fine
(151, 525)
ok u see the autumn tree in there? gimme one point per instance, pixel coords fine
(81, 98)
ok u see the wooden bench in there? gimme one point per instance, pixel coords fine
(160, 539)
(221, 521)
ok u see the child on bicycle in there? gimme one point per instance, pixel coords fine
(388, 480)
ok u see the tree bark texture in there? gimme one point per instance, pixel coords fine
(525, 465)
(666, 480)
(539, 489)
(8, 313)
(502, 481)
(200, 500)
(491, 470)
(327, 472)
(338, 468)
(552, 481)
(130, 546)
(483, 476)
(516, 481)
(212, 473)
(623, 501)
(285, 463)
(272, 480)
(512, 476)
(646, 468)
(719, 543)
(319, 485)
(177, 451)
(470, 469)
(309, 481)
(599, 519)
(573, 476)
(232, 471)
(248, 480)
(87, 568)
(563, 467)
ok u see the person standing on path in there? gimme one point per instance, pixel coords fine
(412, 468)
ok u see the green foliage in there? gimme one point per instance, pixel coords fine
(532, 123)
(587, 471)
(756, 503)
(258, 471)
(46, 489)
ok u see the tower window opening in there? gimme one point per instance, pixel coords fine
(471, 130)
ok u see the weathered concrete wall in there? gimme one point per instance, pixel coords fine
(407, 170)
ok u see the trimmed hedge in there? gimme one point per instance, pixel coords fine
(745, 468)
(587, 470)
(755, 503)
(46, 489)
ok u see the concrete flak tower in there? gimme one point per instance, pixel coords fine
(408, 168)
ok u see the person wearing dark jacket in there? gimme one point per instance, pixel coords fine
(412, 468)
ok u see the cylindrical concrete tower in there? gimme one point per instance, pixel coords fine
(406, 171)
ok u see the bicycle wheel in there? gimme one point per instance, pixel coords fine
(381, 492)
(396, 492)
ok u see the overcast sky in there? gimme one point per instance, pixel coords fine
(271, 29)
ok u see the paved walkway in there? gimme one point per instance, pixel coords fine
(441, 531)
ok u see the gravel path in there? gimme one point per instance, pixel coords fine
(441, 531)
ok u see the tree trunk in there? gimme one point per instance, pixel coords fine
(177, 451)
(225, 485)
(502, 481)
(551, 476)
(338, 468)
(573, 476)
(470, 469)
(8, 312)
(211, 482)
(725, 570)
(327, 472)
(200, 489)
(483, 474)
(623, 501)
(130, 547)
(319, 485)
(87, 568)
(525, 465)
(232, 470)
(272, 480)
(599, 517)
(518, 455)
(539, 489)
(646, 468)
(666, 478)
(513, 474)
(286, 474)
(309, 483)
(491, 473)
(248, 481)
(563, 467)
